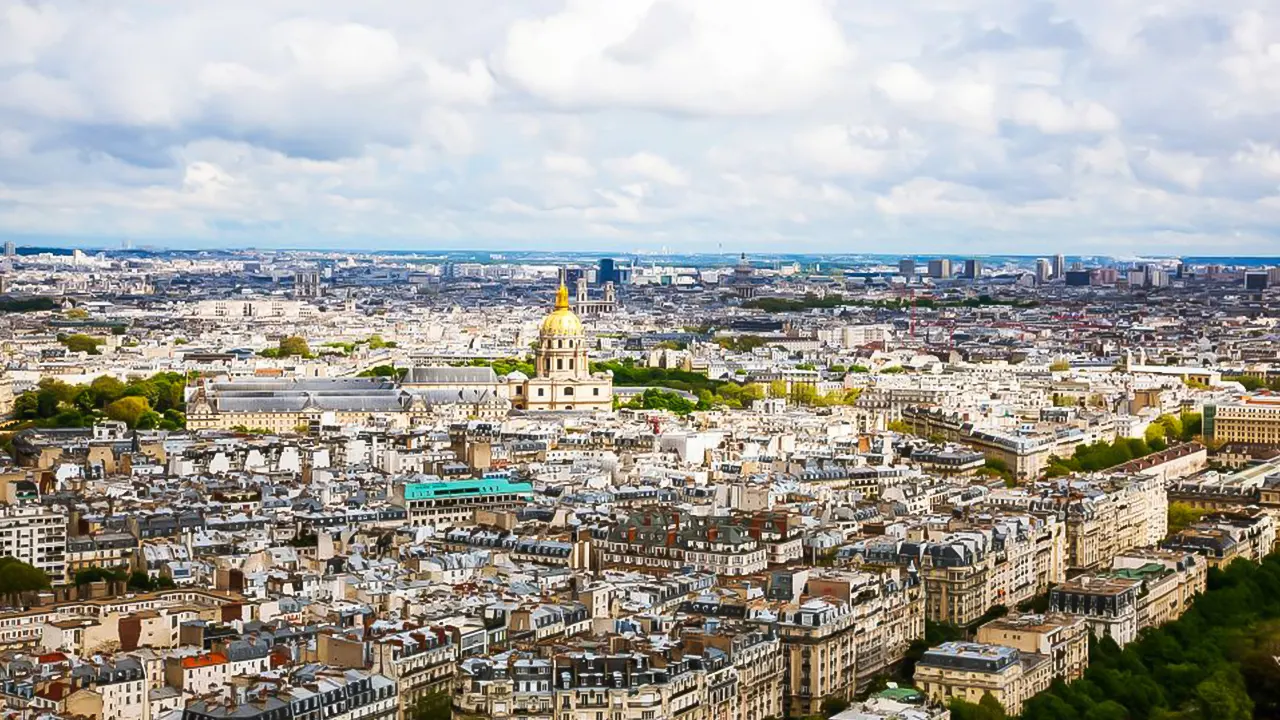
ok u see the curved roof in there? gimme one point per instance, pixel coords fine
(562, 321)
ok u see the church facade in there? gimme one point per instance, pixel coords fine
(562, 371)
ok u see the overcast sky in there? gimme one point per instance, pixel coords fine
(1086, 126)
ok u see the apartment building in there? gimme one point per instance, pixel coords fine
(105, 550)
(1222, 537)
(704, 678)
(850, 626)
(970, 670)
(1108, 604)
(421, 662)
(429, 500)
(1169, 581)
(1064, 639)
(35, 536)
(1105, 516)
(1002, 561)
(1254, 420)
(664, 541)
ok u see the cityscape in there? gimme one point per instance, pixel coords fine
(639, 360)
(246, 484)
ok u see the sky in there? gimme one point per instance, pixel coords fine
(981, 126)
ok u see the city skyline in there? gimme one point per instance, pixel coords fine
(1084, 128)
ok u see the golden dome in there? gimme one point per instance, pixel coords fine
(562, 321)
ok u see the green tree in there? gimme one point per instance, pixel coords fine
(128, 409)
(79, 342)
(294, 345)
(833, 705)
(432, 706)
(1223, 696)
(140, 580)
(1182, 515)
(105, 390)
(17, 577)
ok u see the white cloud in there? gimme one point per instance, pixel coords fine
(811, 124)
(649, 167)
(1053, 115)
(745, 57)
(564, 164)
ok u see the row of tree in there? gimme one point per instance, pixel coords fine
(1217, 662)
(133, 580)
(154, 402)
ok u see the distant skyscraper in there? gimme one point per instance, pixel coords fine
(1043, 271)
(608, 272)
(973, 268)
(907, 268)
(1256, 280)
(10, 249)
(940, 269)
(1059, 266)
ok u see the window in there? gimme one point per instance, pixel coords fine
(540, 392)
(568, 391)
(595, 391)
(559, 363)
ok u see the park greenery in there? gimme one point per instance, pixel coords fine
(807, 395)
(79, 342)
(384, 371)
(501, 366)
(741, 343)
(656, 399)
(1098, 456)
(292, 346)
(374, 342)
(1216, 662)
(1183, 515)
(1163, 432)
(33, 304)
(297, 346)
(156, 402)
(136, 580)
(1252, 383)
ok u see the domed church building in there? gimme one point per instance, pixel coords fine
(563, 379)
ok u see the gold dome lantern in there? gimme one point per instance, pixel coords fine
(562, 321)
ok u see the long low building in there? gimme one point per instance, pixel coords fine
(432, 501)
(286, 405)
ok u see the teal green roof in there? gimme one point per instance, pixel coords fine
(902, 694)
(465, 488)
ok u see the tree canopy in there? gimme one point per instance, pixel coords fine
(292, 346)
(79, 342)
(1216, 661)
(58, 404)
(17, 577)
